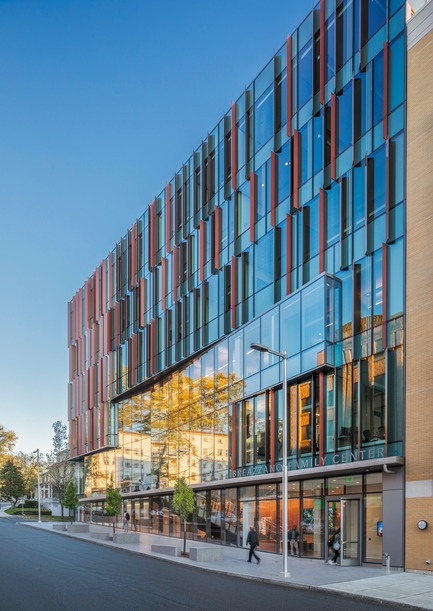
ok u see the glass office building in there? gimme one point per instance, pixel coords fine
(285, 227)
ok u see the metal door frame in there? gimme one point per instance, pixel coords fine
(341, 499)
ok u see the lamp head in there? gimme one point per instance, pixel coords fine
(259, 347)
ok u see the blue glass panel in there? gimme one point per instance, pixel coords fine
(394, 5)
(282, 96)
(264, 118)
(377, 284)
(330, 47)
(379, 180)
(263, 267)
(395, 279)
(294, 366)
(313, 323)
(345, 118)
(396, 220)
(290, 324)
(333, 214)
(359, 244)
(397, 23)
(361, 90)
(304, 31)
(284, 172)
(356, 28)
(243, 208)
(376, 15)
(396, 120)
(344, 29)
(376, 233)
(241, 142)
(397, 72)
(397, 173)
(377, 88)
(270, 335)
(264, 299)
(306, 156)
(251, 357)
(358, 195)
(312, 228)
(305, 74)
(317, 144)
(262, 198)
(271, 376)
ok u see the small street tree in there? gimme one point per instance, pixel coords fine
(183, 504)
(11, 483)
(60, 471)
(70, 500)
(113, 504)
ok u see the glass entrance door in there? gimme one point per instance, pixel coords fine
(344, 519)
(350, 532)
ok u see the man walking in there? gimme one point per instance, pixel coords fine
(253, 542)
(293, 537)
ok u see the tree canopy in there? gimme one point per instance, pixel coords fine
(11, 483)
(7, 442)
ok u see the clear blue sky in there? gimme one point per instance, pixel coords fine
(100, 103)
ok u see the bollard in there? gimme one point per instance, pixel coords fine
(387, 562)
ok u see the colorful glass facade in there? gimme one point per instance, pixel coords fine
(285, 227)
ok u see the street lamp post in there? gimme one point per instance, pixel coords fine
(284, 357)
(39, 486)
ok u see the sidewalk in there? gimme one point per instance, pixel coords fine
(406, 590)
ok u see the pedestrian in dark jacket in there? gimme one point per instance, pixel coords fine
(253, 542)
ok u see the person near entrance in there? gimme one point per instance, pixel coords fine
(293, 539)
(335, 543)
(253, 542)
(125, 521)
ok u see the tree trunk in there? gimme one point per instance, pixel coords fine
(114, 524)
(184, 536)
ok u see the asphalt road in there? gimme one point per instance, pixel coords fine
(42, 571)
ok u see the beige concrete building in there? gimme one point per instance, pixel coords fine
(419, 293)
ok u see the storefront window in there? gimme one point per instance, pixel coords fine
(231, 516)
(247, 512)
(312, 527)
(373, 528)
(267, 518)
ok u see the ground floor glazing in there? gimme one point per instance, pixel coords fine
(317, 509)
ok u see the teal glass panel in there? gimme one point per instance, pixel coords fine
(397, 172)
(397, 23)
(313, 323)
(290, 325)
(263, 270)
(397, 73)
(395, 279)
(333, 214)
